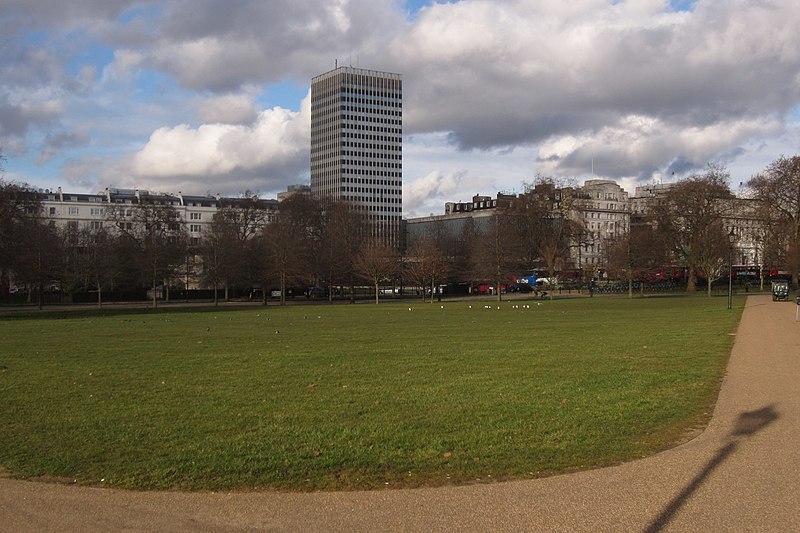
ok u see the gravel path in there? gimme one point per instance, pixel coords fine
(741, 474)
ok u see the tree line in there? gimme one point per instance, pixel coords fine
(308, 243)
(698, 222)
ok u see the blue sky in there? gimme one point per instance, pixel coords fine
(205, 97)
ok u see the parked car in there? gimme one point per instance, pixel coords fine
(520, 287)
(780, 290)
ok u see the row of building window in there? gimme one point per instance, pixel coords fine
(373, 147)
(368, 208)
(389, 102)
(346, 117)
(394, 92)
(368, 137)
(348, 167)
(352, 177)
(610, 216)
(370, 181)
(371, 190)
(363, 113)
(374, 164)
(334, 93)
(607, 207)
(333, 135)
(68, 198)
(73, 225)
(95, 211)
(99, 211)
(371, 155)
(335, 155)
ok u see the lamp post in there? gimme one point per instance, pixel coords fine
(731, 237)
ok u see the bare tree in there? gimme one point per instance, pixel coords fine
(290, 244)
(559, 227)
(282, 255)
(687, 209)
(713, 253)
(426, 266)
(19, 207)
(90, 264)
(159, 235)
(38, 260)
(778, 189)
(226, 251)
(30, 248)
(637, 251)
(214, 253)
(341, 239)
(232, 232)
(544, 224)
(376, 262)
(495, 253)
(461, 267)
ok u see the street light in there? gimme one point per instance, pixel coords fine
(731, 237)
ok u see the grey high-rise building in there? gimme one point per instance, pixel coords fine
(356, 144)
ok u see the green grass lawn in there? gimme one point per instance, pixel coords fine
(343, 397)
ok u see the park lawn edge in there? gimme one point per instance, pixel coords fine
(675, 435)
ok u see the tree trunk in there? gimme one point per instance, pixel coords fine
(41, 284)
(99, 295)
(155, 280)
(216, 297)
(708, 286)
(376, 292)
(691, 285)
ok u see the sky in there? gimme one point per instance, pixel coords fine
(211, 96)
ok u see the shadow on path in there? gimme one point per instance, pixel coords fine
(747, 424)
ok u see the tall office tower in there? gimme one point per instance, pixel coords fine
(356, 144)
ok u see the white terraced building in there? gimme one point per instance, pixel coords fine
(82, 210)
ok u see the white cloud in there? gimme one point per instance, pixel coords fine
(220, 48)
(631, 81)
(124, 64)
(227, 109)
(434, 184)
(55, 142)
(435, 172)
(227, 156)
(645, 146)
(506, 89)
